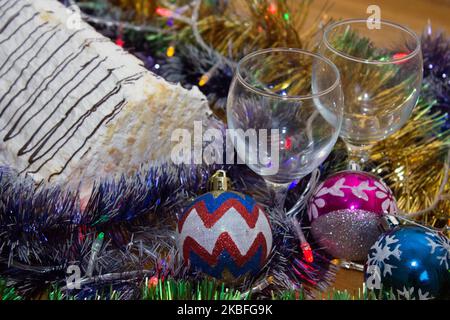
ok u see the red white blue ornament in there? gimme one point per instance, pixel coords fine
(411, 263)
(223, 233)
(345, 211)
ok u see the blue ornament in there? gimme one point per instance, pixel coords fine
(411, 262)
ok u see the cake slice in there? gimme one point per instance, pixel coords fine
(73, 105)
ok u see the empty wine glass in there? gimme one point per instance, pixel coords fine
(291, 100)
(381, 75)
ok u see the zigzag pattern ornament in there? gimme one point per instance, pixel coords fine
(225, 234)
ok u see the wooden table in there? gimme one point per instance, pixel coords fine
(412, 13)
(350, 280)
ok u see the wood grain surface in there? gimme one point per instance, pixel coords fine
(350, 280)
(412, 13)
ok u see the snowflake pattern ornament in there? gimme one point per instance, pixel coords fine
(225, 234)
(344, 212)
(411, 262)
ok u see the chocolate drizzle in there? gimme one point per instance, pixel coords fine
(115, 111)
(76, 108)
(4, 4)
(13, 17)
(23, 69)
(75, 126)
(36, 71)
(42, 142)
(53, 76)
(23, 150)
(7, 9)
(57, 91)
(16, 50)
(19, 27)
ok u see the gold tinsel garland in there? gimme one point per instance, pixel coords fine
(259, 24)
(233, 28)
(413, 161)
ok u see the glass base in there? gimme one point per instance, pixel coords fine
(278, 193)
(358, 156)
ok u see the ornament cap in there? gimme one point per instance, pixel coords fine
(388, 222)
(219, 181)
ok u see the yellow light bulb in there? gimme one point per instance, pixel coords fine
(203, 80)
(170, 51)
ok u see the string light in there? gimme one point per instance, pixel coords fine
(164, 12)
(203, 80)
(205, 77)
(285, 85)
(288, 143)
(259, 287)
(398, 56)
(120, 42)
(286, 16)
(95, 249)
(307, 252)
(304, 245)
(153, 282)
(272, 8)
(170, 51)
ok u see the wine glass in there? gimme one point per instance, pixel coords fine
(381, 75)
(291, 100)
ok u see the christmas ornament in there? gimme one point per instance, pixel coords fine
(411, 261)
(344, 212)
(225, 234)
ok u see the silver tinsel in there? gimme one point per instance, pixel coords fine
(347, 234)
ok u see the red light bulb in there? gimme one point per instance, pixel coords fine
(307, 252)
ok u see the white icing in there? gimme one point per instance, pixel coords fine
(139, 133)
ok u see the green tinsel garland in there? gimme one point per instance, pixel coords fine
(7, 292)
(204, 290)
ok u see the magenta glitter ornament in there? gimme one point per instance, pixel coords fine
(345, 210)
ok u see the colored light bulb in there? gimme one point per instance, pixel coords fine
(272, 8)
(170, 51)
(307, 252)
(163, 12)
(120, 42)
(203, 80)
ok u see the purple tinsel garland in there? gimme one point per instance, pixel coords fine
(43, 230)
(436, 61)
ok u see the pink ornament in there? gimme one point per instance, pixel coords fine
(345, 210)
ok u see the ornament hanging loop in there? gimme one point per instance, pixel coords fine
(219, 181)
(387, 223)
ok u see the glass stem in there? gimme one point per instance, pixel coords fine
(358, 156)
(279, 193)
